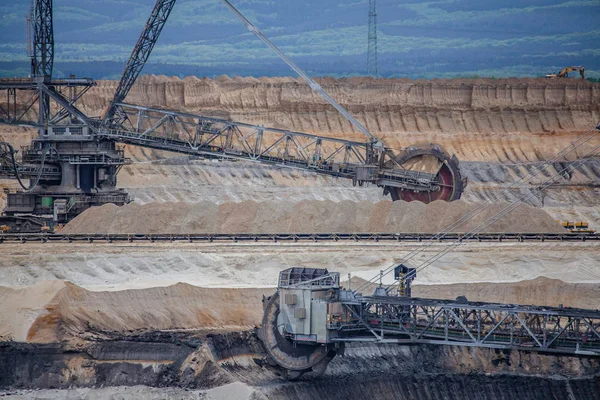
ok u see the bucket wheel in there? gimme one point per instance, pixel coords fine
(432, 159)
(295, 358)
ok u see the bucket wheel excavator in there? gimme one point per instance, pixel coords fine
(73, 162)
(311, 317)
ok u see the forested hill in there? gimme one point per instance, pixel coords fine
(498, 38)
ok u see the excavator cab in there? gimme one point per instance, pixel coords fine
(404, 275)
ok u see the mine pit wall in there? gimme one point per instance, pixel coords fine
(482, 119)
(434, 387)
(478, 119)
(190, 360)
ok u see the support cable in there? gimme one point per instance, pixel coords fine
(501, 214)
(478, 210)
(313, 85)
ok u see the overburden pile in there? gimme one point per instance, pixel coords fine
(309, 216)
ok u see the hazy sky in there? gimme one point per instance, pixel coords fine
(326, 37)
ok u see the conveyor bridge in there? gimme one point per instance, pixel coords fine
(218, 138)
(311, 317)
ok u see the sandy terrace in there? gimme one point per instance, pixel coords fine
(121, 266)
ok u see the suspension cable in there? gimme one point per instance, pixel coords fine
(481, 208)
(502, 213)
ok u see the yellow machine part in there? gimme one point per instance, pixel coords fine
(577, 226)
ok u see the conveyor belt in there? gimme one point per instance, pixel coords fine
(293, 237)
(410, 320)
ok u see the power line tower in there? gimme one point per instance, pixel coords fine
(372, 68)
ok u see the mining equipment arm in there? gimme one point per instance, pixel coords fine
(74, 160)
(311, 318)
(139, 55)
(416, 173)
(564, 73)
(430, 173)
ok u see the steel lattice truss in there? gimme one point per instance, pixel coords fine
(213, 136)
(501, 326)
(16, 111)
(60, 98)
(219, 138)
(141, 52)
(372, 68)
(43, 39)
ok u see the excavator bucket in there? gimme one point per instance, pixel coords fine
(434, 160)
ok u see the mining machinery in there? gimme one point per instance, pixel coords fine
(68, 169)
(577, 226)
(311, 318)
(564, 73)
(72, 163)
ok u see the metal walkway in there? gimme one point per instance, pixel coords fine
(408, 320)
(218, 138)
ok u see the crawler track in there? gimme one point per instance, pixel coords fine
(294, 237)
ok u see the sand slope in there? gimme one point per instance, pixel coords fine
(307, 216)
(52, 312)
(23, 306)
(478, 119)
(71, 311)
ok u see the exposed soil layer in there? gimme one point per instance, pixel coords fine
(183, 336)
(59, 311)
(516, 115)
(193, 361)
(478, 119)
(305, 217)
(116, 266)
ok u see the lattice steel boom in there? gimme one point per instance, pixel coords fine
(141, 52)
(42, 59)
(310, 317)
(218, 138)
